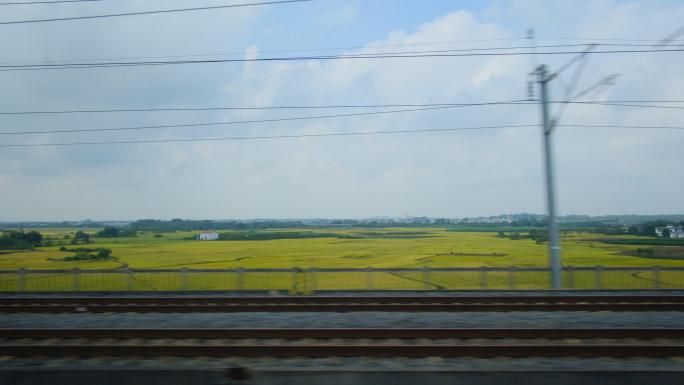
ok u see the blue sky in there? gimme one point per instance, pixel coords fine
(458, 174)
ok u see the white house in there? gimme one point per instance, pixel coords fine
(208, 236)
(675, 232)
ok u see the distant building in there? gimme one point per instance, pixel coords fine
(208, 236)
(675, 232)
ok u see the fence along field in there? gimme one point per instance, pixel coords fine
(349, 259)
(306, 281)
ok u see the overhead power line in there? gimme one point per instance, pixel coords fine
(601, 39)
(331, 106)
(151, 12)
(274, 120)
(395, 55)
(231, 138)
(287, 119)
(234, 53)
(234, 122)
(621, 126)
(628, 104)
(358, 47)
(331, 134)
(617, 103)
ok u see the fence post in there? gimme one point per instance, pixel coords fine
(571, 277)
(293, 288)
(313, 282)
(129, 275)
(369, 278)
(656, 277)
(76, 281)
(184, 278)
(240, 279)
(484, 281)
(511, 278)
(598, 278)
(426, 278)
(22, 280)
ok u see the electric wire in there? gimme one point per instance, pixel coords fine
(330, 134)
(287, 119)
(261, 108)
(233, 53)
(231, 138)
(397, 55)
(638, 103)
(626, 104)
(110, 15)
(234, 122)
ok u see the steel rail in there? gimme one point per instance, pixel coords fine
(342, 308)
(508, 350)
(309, 300)
(348, 333)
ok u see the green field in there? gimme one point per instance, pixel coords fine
(377, 248)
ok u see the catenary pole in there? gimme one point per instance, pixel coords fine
(552, 226)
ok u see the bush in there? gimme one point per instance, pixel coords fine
(80, 238)
(84, 255)
(539, 236)
(648, 253)
(115, 232)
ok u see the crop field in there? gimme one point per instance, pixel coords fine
(339, 248)
(377, 248)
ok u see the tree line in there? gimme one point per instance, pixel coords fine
(20, 240)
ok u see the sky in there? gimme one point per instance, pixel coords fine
(435, 173)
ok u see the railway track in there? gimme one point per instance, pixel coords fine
(189, 304)
(620, 342)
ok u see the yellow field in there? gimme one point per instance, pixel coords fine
(440, 249)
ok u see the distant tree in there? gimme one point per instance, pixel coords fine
(666, 233)
(648, 229)
(33, 237)
(115, 232)
(539, 236)
(108, 232)
(80, 238)
(128, 233)
(20, 240)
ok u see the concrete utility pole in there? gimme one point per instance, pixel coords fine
(554, 240)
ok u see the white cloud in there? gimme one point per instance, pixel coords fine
(440, 174)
